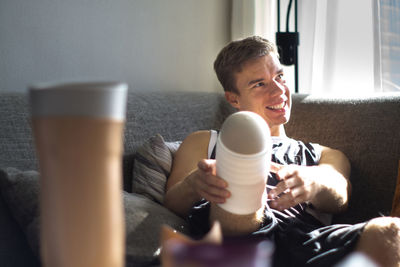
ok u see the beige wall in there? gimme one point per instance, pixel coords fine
(150, 44)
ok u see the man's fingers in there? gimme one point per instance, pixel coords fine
(208, 176)
(215, 181)
(214, 188)
(214, 199)
(209, 186)
(283, 186)
(285, 202)
(275, 167)
(289, 199)
(215, 195)
(205, 165)
(282, 171)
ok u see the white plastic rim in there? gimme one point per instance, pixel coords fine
(249, 157)
(242, 168)
(244, 161)
(89, 99)
(246, 175)
(247, 199)
(245, 132)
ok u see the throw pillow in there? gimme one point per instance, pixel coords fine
(152, 166)
(396, 199)
(143, 217)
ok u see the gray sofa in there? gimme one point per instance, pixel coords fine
(366, 129)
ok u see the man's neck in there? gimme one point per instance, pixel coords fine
(278, 131)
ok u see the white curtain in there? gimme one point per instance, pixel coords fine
(253, 17)
(337, 47)
(349, 46)
(342, 50)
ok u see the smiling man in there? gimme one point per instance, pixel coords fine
(309, 181)
(251, 94)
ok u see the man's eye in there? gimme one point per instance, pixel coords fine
(259, 84)
(280, 78)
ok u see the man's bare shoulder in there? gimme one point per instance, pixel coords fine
(328, 153)
(197, 139)
(336, 159)
(193, 149)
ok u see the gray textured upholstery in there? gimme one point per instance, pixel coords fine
(367, 130)
(15, 132)
(172, 114)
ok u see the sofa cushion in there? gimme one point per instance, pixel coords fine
(143, 217)
(152, 165)
(364, 130)
(20, 190)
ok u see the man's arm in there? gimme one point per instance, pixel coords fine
(325, 186)
(335, 190)
(192, 177)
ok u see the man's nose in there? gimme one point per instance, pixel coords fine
(278, 89)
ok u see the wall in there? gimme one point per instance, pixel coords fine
(150, 44)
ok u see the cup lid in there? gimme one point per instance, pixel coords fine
(92, 99)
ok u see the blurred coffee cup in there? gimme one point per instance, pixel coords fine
(78, 132)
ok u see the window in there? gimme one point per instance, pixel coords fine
(389, 44)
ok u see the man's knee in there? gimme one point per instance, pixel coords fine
(383, 226)
(235, 224)
(380, 240)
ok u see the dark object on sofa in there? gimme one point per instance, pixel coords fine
(365, 129)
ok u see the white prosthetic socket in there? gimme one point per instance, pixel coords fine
(243, 158)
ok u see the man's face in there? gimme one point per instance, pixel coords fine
(262, 89)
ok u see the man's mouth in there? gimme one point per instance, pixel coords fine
(278, 106)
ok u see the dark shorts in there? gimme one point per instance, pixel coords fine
(298, 241)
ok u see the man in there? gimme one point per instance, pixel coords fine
(310, 180)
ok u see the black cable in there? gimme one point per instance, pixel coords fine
(296, 64)
(288, 15)
(295, 15)
(287, 42)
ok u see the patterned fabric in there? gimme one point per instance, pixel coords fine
(153, 161)
(288, 151)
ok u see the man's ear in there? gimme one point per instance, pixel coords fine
(232, 99)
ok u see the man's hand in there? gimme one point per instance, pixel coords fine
(207, 185)
(297, 185)
(325, 186)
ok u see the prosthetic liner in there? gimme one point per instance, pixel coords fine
(243, 158)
